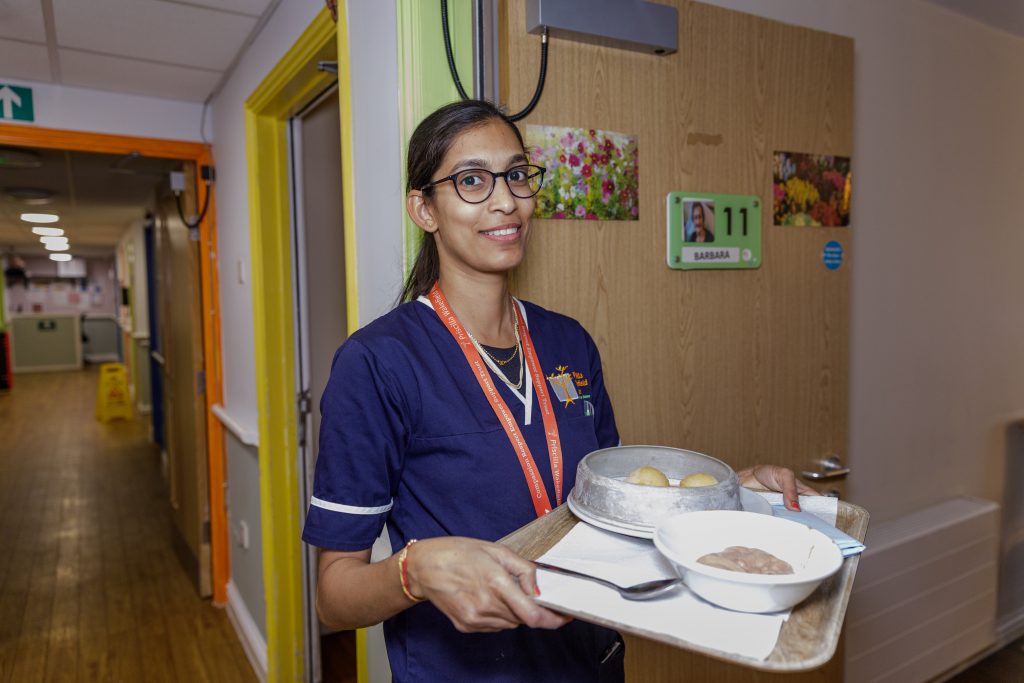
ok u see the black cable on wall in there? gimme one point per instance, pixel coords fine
(455, 73)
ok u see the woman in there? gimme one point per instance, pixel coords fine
(697, 229)
(412, 436)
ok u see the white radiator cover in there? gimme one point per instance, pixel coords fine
(925, 595)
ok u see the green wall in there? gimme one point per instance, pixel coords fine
(424, 79)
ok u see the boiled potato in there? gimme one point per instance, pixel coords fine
(647, 476)
(697, 479)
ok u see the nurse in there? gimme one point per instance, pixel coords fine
(446, 419)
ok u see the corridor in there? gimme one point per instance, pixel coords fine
(90, 586)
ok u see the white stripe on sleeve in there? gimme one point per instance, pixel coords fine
(350, 509)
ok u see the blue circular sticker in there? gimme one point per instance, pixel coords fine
(832, 255)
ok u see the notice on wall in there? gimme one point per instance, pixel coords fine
(709, 231)
(591, 174)
(811, 189)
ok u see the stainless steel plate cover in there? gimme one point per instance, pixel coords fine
(602, 492)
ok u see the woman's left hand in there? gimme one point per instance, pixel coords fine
(776, 478)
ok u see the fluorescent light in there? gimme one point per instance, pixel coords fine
(53, 239)
(40, 217)
(60, 257)
(40, 230)
(58, 247)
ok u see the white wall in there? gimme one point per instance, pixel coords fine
(290, 19)
(379, 195)
(937, 370)
(373, 56)
(378, 225)
(99, 111)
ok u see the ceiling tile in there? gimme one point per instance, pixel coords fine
(253, 8)
(24, 61)
(22, 19)
(137, 77)
(151, 29)
(96, 195)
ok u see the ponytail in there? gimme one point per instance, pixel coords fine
(426, 270)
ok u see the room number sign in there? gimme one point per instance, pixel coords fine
(713, 231)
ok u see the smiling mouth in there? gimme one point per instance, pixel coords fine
(504, 232)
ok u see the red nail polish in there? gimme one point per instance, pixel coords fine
(796, 505)
(536, 590)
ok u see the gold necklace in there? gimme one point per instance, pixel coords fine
(517, 351)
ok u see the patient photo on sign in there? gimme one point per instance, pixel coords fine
(699, 221)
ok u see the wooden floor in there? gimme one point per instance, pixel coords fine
(90, 587)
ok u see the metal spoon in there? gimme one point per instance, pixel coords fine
(640, 591)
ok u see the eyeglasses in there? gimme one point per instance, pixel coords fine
(475, 185)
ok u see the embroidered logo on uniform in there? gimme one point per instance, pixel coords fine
(569, 386)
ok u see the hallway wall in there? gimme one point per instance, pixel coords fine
(937, 325)
(378, 190)
(100, 111)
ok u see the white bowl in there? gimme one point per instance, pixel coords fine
(684, 538)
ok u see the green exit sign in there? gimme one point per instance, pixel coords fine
(16, 103)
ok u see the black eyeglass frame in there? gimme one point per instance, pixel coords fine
(494, 181)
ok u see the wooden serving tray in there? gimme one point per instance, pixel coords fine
(807, 640)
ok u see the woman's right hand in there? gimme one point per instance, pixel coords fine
(480, 586)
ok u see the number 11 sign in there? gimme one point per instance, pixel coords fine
(713, 231)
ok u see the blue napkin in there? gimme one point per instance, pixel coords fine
(848, 545)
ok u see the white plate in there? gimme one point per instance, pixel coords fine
(749, 502)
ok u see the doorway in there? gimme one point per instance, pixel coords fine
(318, 248)
(299, 80)
(197, 156)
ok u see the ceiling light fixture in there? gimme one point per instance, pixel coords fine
(53, 239)
(33, 196)
(14, 157)
(60, 257)
(58, 247)
(40, 217)
(54, 232)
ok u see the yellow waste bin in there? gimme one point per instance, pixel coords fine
(113, 400)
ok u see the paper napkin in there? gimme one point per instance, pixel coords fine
(819, 513)
(679, 614)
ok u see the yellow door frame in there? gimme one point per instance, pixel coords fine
(292, 83)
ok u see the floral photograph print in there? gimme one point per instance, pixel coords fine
(592, 174)
(811, 189)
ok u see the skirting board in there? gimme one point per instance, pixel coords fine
(102, 358)
(1008, 630)
(253, 642)
(19, 369)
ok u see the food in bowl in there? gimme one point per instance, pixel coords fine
(647, 476)
(684, 538)
(697, 479)
(739, 558)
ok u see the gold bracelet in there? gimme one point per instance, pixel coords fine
(403, 575)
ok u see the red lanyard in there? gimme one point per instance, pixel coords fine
(541, 502)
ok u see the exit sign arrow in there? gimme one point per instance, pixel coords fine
(16, 103)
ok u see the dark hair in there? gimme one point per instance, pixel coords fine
(427, 147)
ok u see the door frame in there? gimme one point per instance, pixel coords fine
(289, 85)
(201, 155)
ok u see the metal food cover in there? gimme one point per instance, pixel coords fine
(602, 492)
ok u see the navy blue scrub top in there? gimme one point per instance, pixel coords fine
(408, 439)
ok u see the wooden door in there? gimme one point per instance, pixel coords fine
(181, 338)
(747, 365)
